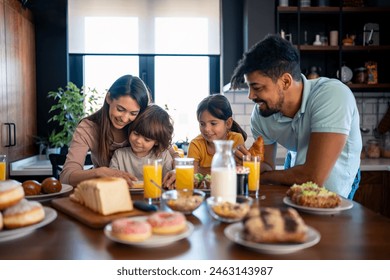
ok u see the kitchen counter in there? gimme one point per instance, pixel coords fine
(367, 164)
(31, 166)
(37, 165)
(375, 164)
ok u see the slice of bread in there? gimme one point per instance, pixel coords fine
(105, 196)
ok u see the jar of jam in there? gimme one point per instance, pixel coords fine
(373, 149)
(360, 75)
(385, 149)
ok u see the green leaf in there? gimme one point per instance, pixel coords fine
(72, 104)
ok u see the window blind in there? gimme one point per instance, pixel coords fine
(144, 27)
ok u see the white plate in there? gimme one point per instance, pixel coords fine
(10, 234)
(345, 205)
(234, 232)
(42, 197)
(136, 190)
(155, 240)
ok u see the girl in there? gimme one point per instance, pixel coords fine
(150, 136)
(214, 115)
(105, 131)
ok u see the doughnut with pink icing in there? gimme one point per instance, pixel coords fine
(167, 222)
(131, 230)
(23, 214)
(11, 192)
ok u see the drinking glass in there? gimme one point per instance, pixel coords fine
(184, 173)
(253, 163)
(3, 167)
(152, 171)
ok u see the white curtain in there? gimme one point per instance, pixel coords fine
(144, 26)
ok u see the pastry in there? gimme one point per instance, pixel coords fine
(23, 214)
(107, 195)
(51, 185)
(31, 187)
(11, 192)
(274, 225)
(166, 223)
(131, 230)
(311, 195)
(257, 148)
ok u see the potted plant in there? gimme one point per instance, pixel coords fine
(72, 105)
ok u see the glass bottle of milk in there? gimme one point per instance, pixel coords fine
(223, 171)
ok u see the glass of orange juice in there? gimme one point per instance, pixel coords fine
(184, 168)
(253, 163)
(152, 171)
(3, 167)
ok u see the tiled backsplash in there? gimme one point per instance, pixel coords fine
(376, 106)
(374, 102)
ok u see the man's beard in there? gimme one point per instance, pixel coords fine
(269, 111)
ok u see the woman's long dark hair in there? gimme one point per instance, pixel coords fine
(126, 85)
(219, 107)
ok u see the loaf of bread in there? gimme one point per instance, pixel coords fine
(311, 195)
(105, 196)
(257, 148)
(274, 225)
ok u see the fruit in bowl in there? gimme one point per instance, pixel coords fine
(202, 181)
(226, 211)
(185, 201)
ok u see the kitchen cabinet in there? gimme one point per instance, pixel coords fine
(374, 191)
(18, 82)
(302, 24)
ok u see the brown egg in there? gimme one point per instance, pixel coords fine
(51, 185)
(31, 187)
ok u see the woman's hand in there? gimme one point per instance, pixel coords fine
(169, 180)
(109, 172)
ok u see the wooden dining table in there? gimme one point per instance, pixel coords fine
(354, 234)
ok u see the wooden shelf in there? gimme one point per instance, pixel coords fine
(369, 87)
(343, 48)
(330, 10)
(310, 21)
(294, 9)
(365, 48)
(317, 48)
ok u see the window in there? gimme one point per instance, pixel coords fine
(100, 71)
(173, 45)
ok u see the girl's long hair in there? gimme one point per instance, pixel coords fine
(219, 107)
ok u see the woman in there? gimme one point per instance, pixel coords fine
(105, 131)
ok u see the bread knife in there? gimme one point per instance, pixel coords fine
(142, 205)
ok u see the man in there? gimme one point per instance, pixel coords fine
(317, 120)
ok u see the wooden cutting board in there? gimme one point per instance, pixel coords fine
(87, 216)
